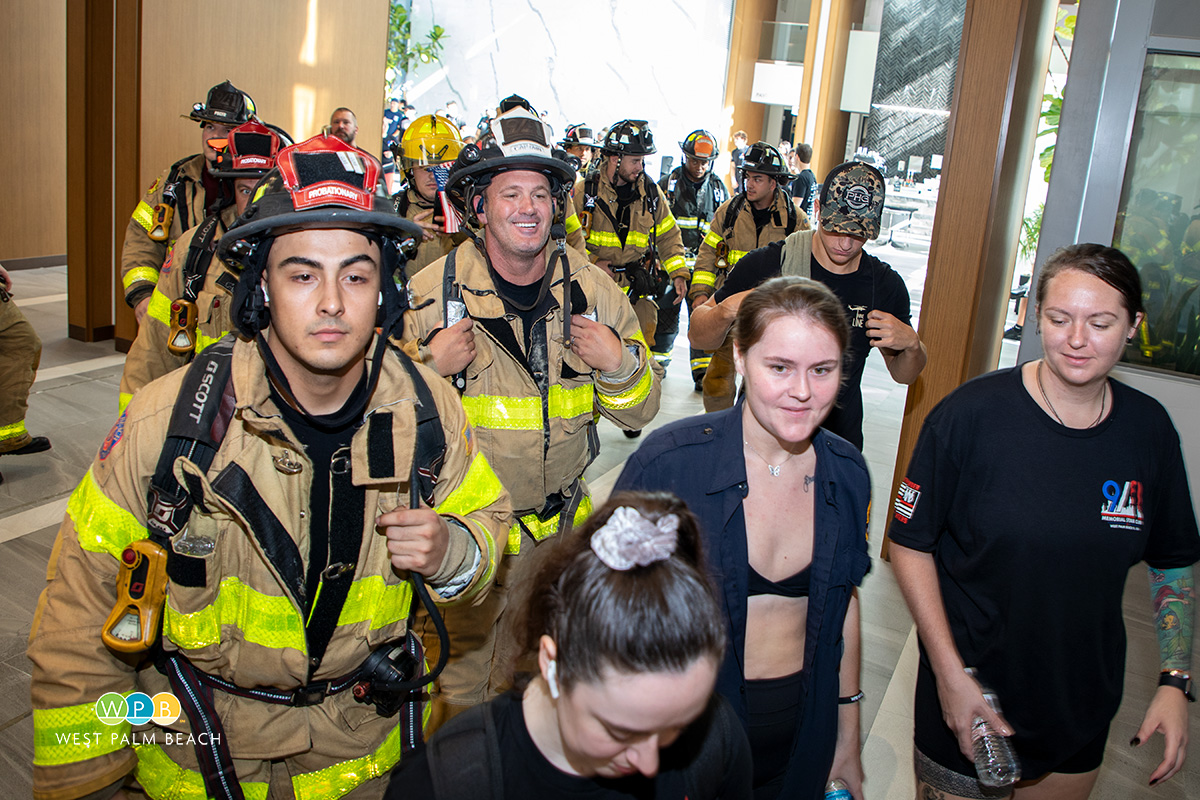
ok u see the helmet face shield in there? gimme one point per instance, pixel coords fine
(326, 171)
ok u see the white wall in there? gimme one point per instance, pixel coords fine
(592, 61)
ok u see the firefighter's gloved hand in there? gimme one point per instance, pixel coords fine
(417, 538)
(596, 344)
(453, 348)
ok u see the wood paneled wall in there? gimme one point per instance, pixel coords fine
(33, 43)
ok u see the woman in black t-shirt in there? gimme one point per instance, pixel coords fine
(627, 638)
(1016, 566)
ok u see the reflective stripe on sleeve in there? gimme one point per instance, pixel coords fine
(712, 239)
(74, 733)
(674, 263)
(572, 224)
(160, 308)
(630, 397)
(101, 525)
(139, 275)
(123, 399)
(703, 277)
(144, 215)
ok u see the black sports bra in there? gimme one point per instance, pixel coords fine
(795, 586)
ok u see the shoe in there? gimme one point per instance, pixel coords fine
(632, 434)
(1013, 334)
(38, 444)
(699, 385)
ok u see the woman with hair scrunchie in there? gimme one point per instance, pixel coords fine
(1030, 494)
(783, 506)
(627, 638)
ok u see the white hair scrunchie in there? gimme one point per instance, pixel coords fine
(629, 540)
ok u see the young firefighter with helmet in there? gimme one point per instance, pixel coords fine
(181, 197)
(535, 338)
(694, 192)
(191, 306)
(425, 152)
(261, 564)
(763, 212)
(628, 225)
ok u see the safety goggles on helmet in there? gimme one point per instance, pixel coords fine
(700, 144)
(629, 137)
(226, 105)
(248, 152)
(578, 135)
(428, 140)
(762, 157)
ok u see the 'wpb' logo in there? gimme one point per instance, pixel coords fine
(138, 709)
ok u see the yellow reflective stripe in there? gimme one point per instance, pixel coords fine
(703, 277)
(73, 733)
(701, 363)
(712, 239)
(139, 275)
(674, 263)
(734, 256)
(540, 530)
(525, 413)
(478, 489)
(160, 307)
(572, 223)
(204, 342)
(603, 238)
(123, 399)
(688, 223)
(630, 397)
(12, 431)
(267, 620)
(373, 598)
(144, 215)
(101, 525)
(637, 239)
(664, 225)
(162, 778)
(343, 777)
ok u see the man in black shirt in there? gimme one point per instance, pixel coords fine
(876, 299)
(804, 188)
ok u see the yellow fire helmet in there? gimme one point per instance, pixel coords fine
(429, 140)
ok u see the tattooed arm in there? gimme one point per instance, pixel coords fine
(1172, 597)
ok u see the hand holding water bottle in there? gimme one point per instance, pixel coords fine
(995, 762)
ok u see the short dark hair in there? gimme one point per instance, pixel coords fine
(789, 296)
(1106, 263)
(343, 108)
(660, 617)
(804, 153)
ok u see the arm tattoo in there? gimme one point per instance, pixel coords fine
(1174, 612)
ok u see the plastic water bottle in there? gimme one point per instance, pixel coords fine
(837, 789)
(995, 761)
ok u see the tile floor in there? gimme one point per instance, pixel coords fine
(74, 402)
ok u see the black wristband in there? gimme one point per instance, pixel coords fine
(1180, 680)
(854, 698)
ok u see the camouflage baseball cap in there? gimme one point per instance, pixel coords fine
(852, 200)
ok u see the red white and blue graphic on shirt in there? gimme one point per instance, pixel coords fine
(907, 496)
(114, 436)
(1122, 506)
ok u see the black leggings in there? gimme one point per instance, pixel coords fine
(773, 708)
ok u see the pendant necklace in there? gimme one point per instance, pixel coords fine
(771, 468)
(1042, 389)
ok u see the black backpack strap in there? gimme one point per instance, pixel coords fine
(791, 208)
(171, 187)
(731, 213)
(452, 293)
(198, 424)
(464, 757)
(430, 451)
(199, 256)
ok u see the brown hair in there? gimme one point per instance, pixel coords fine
(789, 296)
(660, 617)
(1106, 263)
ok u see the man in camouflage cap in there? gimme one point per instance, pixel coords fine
(877, 306)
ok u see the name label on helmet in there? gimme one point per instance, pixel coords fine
(327, 192)
(251, 161)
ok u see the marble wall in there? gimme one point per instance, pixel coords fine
(593, 61)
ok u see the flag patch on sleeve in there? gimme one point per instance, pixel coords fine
(906, 500)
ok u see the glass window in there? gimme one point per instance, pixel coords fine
(1158, 219)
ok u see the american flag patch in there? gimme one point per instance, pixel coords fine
(907, 496)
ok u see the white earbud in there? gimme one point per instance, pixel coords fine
(266, 294)
(379, 302)
(552, 678)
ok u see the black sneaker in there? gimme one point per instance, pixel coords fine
(1013, 334)
(38, 444)
(632, 434)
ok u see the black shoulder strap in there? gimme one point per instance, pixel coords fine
(791, 208)
(401, 202)
(199, 256)
(430, 451)
(591, 188)
(731, 213)
(171, 187)
(198, 425)
(464, 757)
(651, 193)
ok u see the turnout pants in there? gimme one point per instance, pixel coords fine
(20, 353)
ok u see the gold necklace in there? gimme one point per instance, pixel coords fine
(1038, 371)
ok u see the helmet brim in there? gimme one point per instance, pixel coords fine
(551, 167)
(330, 218)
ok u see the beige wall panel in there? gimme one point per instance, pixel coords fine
(298, 59)
(33, 94)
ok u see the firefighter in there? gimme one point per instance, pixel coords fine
(694, 192)
(180, 197)
(762, 212)
(190, 306)
(630, 231)
(324, 475)
(579, 141)
(535, 337)
(20, 352)
(429, 145)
